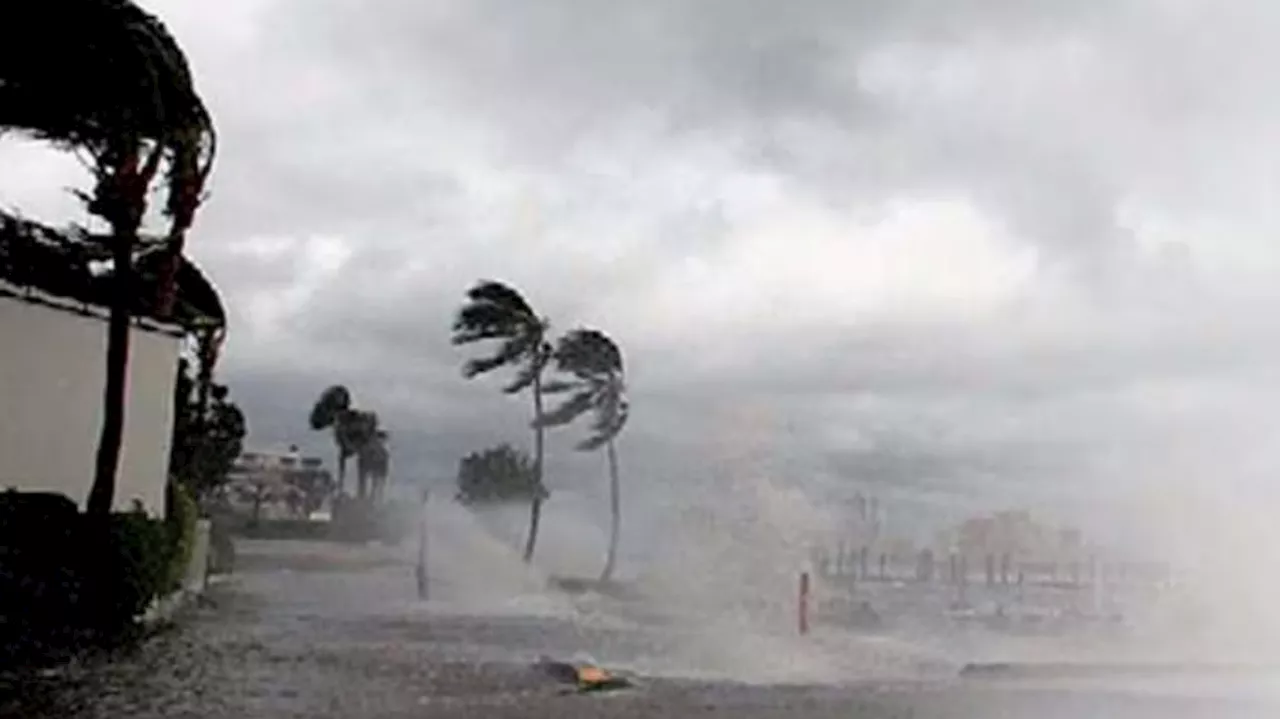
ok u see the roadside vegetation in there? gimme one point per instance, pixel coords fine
(105, 80)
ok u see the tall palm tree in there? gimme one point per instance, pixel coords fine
(495, 311)
(597, 385)
(104, 78)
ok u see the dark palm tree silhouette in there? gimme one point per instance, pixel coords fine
(334, 411)
(373, 464)
(597, 384)
(494, 311)
(355, 434)
(104, 78)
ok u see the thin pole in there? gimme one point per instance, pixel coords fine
(422, 550)
(804, 603)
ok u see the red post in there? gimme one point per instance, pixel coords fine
(804, 602)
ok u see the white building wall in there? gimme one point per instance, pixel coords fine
(52, 371)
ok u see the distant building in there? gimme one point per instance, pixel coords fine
(1015, 533)
(274, 483)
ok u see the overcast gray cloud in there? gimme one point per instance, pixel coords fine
(970, 253)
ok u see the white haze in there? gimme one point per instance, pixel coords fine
(965, 256)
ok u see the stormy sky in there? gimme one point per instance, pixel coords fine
(965, 254)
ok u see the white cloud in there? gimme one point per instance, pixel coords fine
(991, 229)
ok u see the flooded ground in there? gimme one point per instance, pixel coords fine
(317, 630)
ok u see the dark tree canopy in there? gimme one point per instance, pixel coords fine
(356, 433)
(204, 448)
(497, 475)
(595, 383)
(329, 408)
(104, 76)
(495, 311)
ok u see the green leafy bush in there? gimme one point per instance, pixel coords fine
(128, 558)
(67, 579)
(40, 585)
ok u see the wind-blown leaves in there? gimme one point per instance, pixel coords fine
(594, 363)
(333, 401)
(530, 371)
(588, 353)
(608, 424)
(354, 429)
(557, 386)
(495, 311)
(106, 78)
(569, 410)
(508, 352)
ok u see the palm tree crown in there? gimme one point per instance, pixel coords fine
(495, 311)
(598, 386)
(353, 429)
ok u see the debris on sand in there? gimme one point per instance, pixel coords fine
(584, 676)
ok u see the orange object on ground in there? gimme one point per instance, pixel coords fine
(593, 675)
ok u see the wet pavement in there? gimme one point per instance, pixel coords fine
(321, 630)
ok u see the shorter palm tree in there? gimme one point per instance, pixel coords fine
(596, 384)
(352, 428)
(373, 463)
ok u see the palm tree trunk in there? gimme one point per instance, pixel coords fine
(615, 511)
(342, 472)
(535, 506)
(102, 493)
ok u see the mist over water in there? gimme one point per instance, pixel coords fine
(716, 595)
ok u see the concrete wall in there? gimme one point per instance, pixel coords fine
(52, 370)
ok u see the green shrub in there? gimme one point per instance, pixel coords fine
(126, 564)
(40, 582)
(67, 578)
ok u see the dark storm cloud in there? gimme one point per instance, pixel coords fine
(723, 185)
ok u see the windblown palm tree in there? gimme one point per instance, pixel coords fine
(494, 311)
(597, 385)
(355, 434)
(334, 411)
(104, 78)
